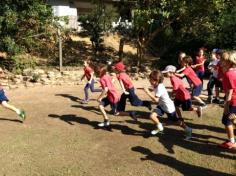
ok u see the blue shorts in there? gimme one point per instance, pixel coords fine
(3, 96)
(197, 90)
(185, 105)
(105, 102)
(225, 119)
(171, 116)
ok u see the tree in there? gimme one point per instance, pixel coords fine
(19, 20)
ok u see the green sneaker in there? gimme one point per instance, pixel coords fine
(22, 115)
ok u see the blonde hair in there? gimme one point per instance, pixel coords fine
(157, 76)
(229, 57)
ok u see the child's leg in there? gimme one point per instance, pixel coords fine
(198, 99)
(230, 133)
(19, 112)
(122, 102)
(101, 106)
(86, 88)
(11, 107)
(104, 114)
(92, 87)
(196, 94)
(210, 86)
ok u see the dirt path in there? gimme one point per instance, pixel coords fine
(60, 137)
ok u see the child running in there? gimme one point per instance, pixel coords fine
(165, 105)
(191, 75)
(128, 89)
(109, 96)
(229, 86)
(213, 80)
(89, 74)
(4, 101)
(182, 96)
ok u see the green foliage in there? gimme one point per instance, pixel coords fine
(97, 23)
(22, 62)
(20, 22)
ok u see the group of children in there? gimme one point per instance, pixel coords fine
(223, 72)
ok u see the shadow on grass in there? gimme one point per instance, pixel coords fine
(71, 97)
(184, 168)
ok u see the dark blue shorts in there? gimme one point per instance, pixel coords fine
(3, 96)
(185, 105)
(197, 90)
(105, 102)
(225, 119)
(171, 116)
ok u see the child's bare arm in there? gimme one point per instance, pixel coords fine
(104, 92)
(180, 70)
(153, 98)
(181, 75)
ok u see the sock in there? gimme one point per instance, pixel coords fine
(18, 111)
(160, 127)
(187, 128)
(232, 140)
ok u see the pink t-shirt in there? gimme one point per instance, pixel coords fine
(192, 76)
(125, 79)
(199, 60)
(181, 93)
(112, 94)
(229, 82)
(87, 71)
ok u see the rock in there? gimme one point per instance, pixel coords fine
(27, 72)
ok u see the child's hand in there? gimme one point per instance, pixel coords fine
(126, 93)
(146, 89)
(193, 66)
(99, 100)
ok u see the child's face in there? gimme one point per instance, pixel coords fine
(167, 75)
(201, 52)
(154, 83)
(85, 63)
(213, 56)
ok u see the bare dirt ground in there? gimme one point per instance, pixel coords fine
(60, 137)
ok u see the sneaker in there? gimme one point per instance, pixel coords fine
(199, 111)
(22, 115)
(84, 102)
(133, 115)
(228, 145)
(216, 100)
(104, 124)
(156, 131)
(188, 134)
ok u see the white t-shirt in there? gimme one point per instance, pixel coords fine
(164, 100)
(214, 71)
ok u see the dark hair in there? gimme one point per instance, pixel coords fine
(188, 60)
(100, 69)
(157, 76)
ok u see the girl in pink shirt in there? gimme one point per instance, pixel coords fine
(199, 64)
(229, 86)
(89, 74)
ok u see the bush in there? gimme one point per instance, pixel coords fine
(22, 62)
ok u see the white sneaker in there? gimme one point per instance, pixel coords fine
(156, 131)
(104, 124)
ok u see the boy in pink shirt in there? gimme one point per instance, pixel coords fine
(191, 75)
(181, 94)
(109, 96)
(229, 86)
(128, 89)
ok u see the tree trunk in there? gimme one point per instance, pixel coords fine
(121, 47)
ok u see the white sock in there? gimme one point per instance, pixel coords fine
(232, 140)
(18, 111)
(160, 127)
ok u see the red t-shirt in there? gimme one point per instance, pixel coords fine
(229, 82)
(125, 79)
(199, 60)
(192, 76)
(88, 71)
(112, 94)
(181, 93)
